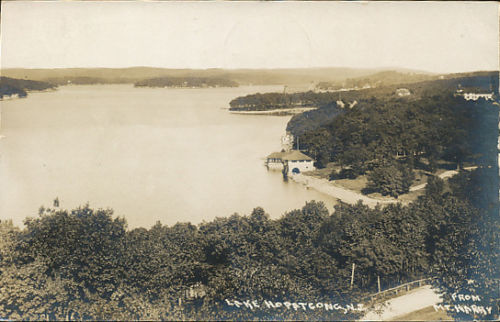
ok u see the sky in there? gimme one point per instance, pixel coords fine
(432, 36)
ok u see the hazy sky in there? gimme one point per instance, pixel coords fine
(438, 37)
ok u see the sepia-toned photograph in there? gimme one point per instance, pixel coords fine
(219, 160)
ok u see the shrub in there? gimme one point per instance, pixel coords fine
(343, 174)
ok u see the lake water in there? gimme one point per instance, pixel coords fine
(150, 154)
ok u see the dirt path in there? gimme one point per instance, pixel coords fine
(415, 300)
(346, 195)
(444, 175)
(352, 197)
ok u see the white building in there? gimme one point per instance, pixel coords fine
(292, 162)
(403, 92)
(476, 96)
(297, 162)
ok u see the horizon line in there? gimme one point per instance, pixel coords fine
(382, 68)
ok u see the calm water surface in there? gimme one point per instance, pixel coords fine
(150, 154)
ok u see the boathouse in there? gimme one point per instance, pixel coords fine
(292, 162)
(297, 162)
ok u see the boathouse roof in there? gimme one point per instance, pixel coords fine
(276, 155)
(295, 155)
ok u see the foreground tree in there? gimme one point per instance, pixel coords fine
(393, 179)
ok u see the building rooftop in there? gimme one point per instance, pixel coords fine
(295, 155)
(276, 155)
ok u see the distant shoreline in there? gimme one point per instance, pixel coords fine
(277, 111)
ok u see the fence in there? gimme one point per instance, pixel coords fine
(394, 291)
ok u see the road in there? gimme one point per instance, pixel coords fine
(444, 175)
(414, 300)
(350, 196)
(326, 187)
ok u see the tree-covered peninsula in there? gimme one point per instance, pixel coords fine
(271, 101)
(186, 82)
(20, 87)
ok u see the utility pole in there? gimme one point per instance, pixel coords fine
(378, 282)
(298, 144)
(352, 274)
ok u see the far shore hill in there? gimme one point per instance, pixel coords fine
(349, 91)
(186, 82)
(327, 76)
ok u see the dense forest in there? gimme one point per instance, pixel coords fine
(12, 86)
(186, 82)
(85, 264)
(438, 127)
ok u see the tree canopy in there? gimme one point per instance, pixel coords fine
(85, 264)
(12, 86)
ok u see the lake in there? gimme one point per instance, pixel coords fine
(151, 154)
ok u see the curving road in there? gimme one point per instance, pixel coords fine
(414, 300)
